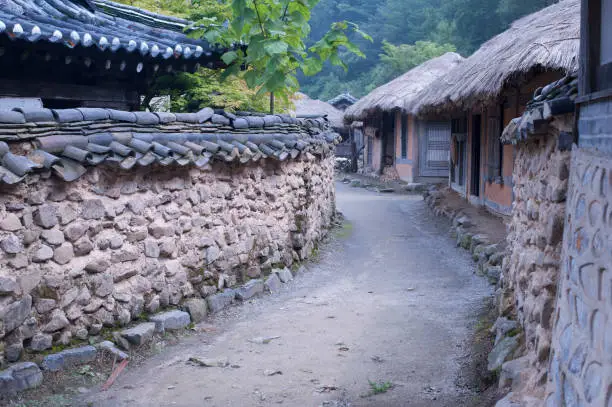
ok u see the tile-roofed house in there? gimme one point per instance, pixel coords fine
(343, 101)
(102, 53)
(307, 107)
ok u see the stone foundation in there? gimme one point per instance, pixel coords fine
(531, 272)
(101, 251)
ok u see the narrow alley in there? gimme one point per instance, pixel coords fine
(390, 300)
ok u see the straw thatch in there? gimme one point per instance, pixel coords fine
(305, 106)
(400, 93)
(548, 40)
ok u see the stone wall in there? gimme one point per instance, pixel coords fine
(531, 271)
(101, 251)
(581, 357)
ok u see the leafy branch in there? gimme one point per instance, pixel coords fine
(275, 32)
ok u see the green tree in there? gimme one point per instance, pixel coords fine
(206, 88)
(399, 59)
(274, 34)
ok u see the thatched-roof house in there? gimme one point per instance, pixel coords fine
(545, 41)
(400, 93)
(397, 144)
(490, 88)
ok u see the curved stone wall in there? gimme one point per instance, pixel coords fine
(100, 251)
(581, 358)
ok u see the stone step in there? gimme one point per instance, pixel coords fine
(19, 377)
(273, 283)
(197, 309)
(140, 334)
(110, 347)
(170, 321)
(222, 300)
(69, 357)
(250, 290)
(284, 275)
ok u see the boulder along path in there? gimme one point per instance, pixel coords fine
(388, 308)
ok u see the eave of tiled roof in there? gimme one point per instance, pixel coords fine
(68, 142)
(110, 27)
(557, 98)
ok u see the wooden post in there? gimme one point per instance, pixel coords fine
(383, 145)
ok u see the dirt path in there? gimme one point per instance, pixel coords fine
(392, 302)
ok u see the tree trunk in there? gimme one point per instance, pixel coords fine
(272, 103)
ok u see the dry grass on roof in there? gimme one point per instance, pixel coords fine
(401, 92)
(305, 106)
(548, 40)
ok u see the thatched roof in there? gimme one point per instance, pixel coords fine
(305, 106)
(548, 40)
(400, 93)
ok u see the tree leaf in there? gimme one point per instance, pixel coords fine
(276, 47)
(229, 57)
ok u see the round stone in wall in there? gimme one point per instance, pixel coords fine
(596, 213)
(580, 208)
(592, 382)
(598, 329)
(570, 396)
(589, 281)
(580, 241)
(565, 343)
(578, 359)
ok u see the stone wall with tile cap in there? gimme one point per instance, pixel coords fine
(99, 251)
(531, 271)
(580, 372)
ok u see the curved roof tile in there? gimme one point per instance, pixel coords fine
(101, 24)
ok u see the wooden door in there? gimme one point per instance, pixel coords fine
(435, 151)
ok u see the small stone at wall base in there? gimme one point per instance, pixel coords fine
(110, 347)
(170, 321)
(501, 352)
(208, 290)
(510, 375)
(197, 309)
(19, 377)
(140, 334)
(219, 301)
(41, 342)
(69, 357)
(273, 283)
(12, 353)
(57, 322)
(493, 274)
(502, 326)
(284, 275)
(249, 290)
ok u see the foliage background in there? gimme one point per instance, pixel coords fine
(405, 32)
